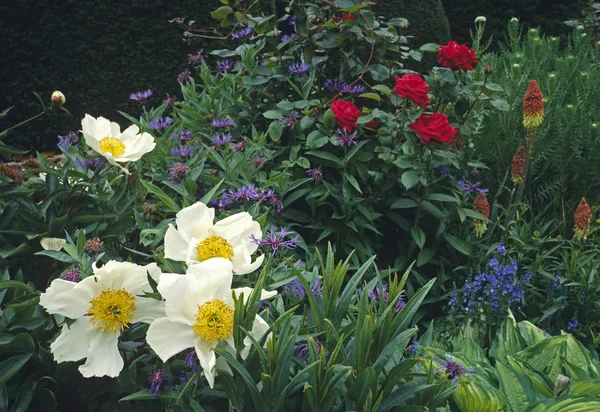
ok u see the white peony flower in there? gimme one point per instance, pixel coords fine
(197, 239)
(105, 137)
(102, 306)
(200, 312)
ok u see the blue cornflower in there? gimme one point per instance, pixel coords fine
(178, 172)
(141, 96)
(161, 123)
(274, 240)
(221, 139)
(290, 120)
(291, 20)
(346, 138)
(220, 202)
(226, 65)
(181, 151)
(156, 379)
(86, 163)
(65, 142)
(471, 188)
(191, 361)
(183, 136)
(197, 58)
(302, 352)
(72, 274)
(358, 88)
(298, 68)
(240, 34)
(573, 324)
(335, 85)
(444, 170)
(315, 174)
(454, 369)
(223, 123)
(290, 37)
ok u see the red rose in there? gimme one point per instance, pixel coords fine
(411, 86)
(346, 114)
(348, 16)
(433, 127)
(336, 19)
(373, 124)
(457, 56)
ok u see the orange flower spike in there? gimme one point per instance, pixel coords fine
(582, 219)
(518, 165)
(481, 205)
(533, 106)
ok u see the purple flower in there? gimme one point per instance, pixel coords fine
(471, 188)
(169, 100)
(289, 121)
(291, 20)
(298, 68)
(454, 369)
(220, 202)
(359, 88)
(257, 161)
(183, 136)
(161, 123)
(415, 346)
(275, 240)
(178, 172)
(346, 138)
(221, 139)
(183, 378)
(335, 85)
(501, 249)
(185, 76)
(302, 352)
(86, 163)
(191, 361)
(444, 170)
(197, 58)
(65, 142)
(290, 37)
(156, 379)
(223, 123)
(226, 65)
(315, 174)
(181, 151)
(240, 34)
(141, 96)
(295, 288)
(240, 145)
(72, 274)
(573, 324)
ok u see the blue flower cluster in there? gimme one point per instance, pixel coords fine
(496, 288)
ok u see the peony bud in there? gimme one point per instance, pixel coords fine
(58, 99)
(514, 20)
(480, 19)
(404, 24)
(560, 384)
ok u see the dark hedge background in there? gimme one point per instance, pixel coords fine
(99, 51)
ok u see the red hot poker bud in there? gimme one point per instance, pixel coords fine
(533, 106)
(481, 205)
(582, 219)
(518, 165)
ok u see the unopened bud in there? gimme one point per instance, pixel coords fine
(480, 19)
(514, 20)
(58, 99)
(488, 68)
(560, 385)
(94, 246)
(404, 24)
(209, 117)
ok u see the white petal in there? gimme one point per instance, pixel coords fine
(195, 220)
(73, 341)
(259, 328)
(166, 280)
(115, 130)
(176, 244)
(168, 338)
(103, 357)
(264, 294)
(52, 243)
(125, 275)
(136, 147)
(147, 310)
(207, 358)
(64, 299)
(233, 226)
(245, 268)
(213, 268)
(182, 299)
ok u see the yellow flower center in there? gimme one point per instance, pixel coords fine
(213, 247)
(112, 310)
(113, 146)
(214, 321)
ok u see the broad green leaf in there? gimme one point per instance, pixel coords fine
(11, 366)
(161, 195)
(275, 130)
(516, 387)
(221, 12)
(430, 47)
(409, 179)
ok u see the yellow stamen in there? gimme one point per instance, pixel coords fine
(214, 321)
(213, 247)
(112, 310)
(113, 146)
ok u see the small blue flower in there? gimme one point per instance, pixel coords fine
(182, 136)
(178, 172)
(141, 96)
(221, 139)
(291, 20)
(181, 151)
(358, 88)
(86, 163)
(65, 142)
(185, 76)
(315, 174)
(454, 369)
(274, 240)
(573, 324)
(240, 34)
(290, 37)
(471, 188)
(226, 65)
(290, 120)
(298, 68)
(156, 379)
(444, 170)
(335, 85)
(346, 138)
(161, 123)
(223, 123)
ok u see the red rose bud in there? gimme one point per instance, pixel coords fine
(518, 165)
(348, 16)
(58, 99)
(582, 219)
(346, 114)
(413, 87)
(533, 106)
(457, 56)
(481, 205)
(433, 127)
(373, 124)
